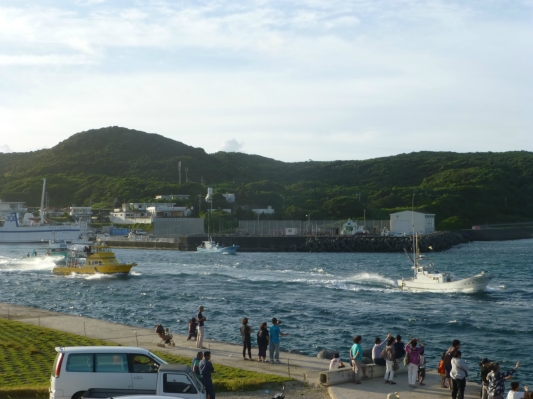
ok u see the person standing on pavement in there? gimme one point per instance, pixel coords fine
(201, 335)
(206, 369)
(414, 360)
(399, 348)
(389, 354)
(458, 374)
(246, 333)
(484, 372)
(356, 359)
(275, 334)
(450, 353)
(262, 342)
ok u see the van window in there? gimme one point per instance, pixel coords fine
(111, 363)
(143, 364)
(80, 363)
(178, 383)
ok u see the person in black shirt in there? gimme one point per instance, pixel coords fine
(262, 341)
(200, 338)
(246, 332)
(399, 347)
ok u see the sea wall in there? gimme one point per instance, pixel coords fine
(438, 241)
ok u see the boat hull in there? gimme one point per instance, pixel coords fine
(101, 269)
(476, 283)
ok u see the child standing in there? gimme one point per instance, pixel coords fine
(422, 369)
(192, 329)
(442, 371)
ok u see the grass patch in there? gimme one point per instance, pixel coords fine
(27, 354)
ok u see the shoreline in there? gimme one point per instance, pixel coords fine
(302, 368)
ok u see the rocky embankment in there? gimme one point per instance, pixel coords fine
(438, 241)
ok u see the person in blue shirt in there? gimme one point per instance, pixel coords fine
(275, 334)
(196, 364)
(206, 369)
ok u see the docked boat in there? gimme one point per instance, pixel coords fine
(350, 228)
(98, 259)
(211, 247)
(427, 278)
(27, 229)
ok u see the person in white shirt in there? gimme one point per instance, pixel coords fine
(515, 393)
(336, 362)
(459, 373)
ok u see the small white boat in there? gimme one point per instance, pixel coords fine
(211, 247)
(426, 278)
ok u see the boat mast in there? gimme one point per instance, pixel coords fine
(42, 201)
(209, 197)
(415, 241)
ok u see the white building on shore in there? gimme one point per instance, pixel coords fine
(146, 212)
(407, 222)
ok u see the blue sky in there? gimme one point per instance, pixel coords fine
(296, 80)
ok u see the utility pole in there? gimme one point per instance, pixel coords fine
(186, 175)
(179, 172)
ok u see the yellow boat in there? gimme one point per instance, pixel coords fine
(99, 260)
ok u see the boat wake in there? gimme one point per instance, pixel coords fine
(25, 264)
(373, 279)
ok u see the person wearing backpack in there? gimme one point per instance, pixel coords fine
(262, 342)
(389, 354)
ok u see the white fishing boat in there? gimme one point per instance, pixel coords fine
(427, 278)
(210, 246)
(350, 228)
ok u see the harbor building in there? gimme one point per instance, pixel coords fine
(82, 213)
(146, 212)
(407, 222)
(6, 208)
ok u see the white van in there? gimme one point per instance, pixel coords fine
(78, 368)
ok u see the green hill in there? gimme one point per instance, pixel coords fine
(106, 166)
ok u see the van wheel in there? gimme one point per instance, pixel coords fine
(78, 395)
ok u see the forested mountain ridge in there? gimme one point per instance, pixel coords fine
(106, 166)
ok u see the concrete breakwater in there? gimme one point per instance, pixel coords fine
(438, 241)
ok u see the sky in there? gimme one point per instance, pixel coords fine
(290, 80)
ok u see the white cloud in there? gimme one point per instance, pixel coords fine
(4, 148)
(232, 145)
(294, 80)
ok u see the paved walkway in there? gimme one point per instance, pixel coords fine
(303, 368)
(377, 389)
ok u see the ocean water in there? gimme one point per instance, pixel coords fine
(322, 299)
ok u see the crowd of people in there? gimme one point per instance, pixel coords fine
(453, 369)
(266, 337)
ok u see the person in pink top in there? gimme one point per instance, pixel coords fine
(414, 353)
